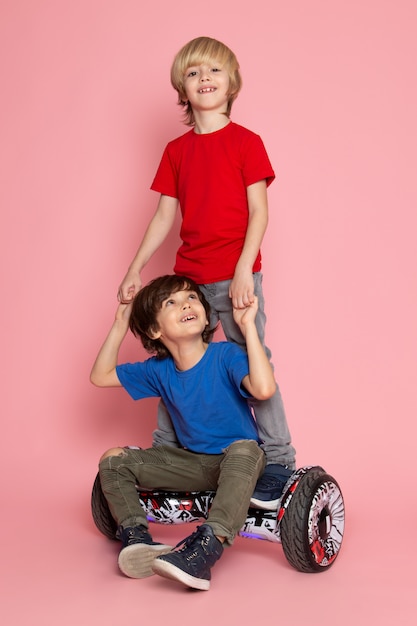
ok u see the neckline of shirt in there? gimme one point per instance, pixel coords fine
(215, 132)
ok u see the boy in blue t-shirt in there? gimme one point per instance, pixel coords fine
(205, 387)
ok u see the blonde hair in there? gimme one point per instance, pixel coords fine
(204, 50)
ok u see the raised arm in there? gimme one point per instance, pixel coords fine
(242, 288)
(260, 382)
(103, 373)
(155, 234)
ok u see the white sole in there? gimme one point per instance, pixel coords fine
(168, 570)
(136, 560)
(266, 505)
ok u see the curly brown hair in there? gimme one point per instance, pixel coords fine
(148, 301)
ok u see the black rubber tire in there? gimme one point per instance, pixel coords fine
(101, 513)
(312, 527)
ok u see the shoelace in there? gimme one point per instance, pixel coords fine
(186, 543)
(136, 535)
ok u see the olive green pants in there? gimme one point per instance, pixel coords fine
(232, 474)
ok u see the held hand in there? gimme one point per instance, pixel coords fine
(246, 316)
(129, 287)
(123, 312)
(260, 381)
(241, 289)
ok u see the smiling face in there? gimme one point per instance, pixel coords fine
(154, 305)
(214, 55)
(207, 87)
(181, 315)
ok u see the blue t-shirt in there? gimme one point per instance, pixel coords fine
(207, 404)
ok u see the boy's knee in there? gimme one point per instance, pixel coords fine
(246, 447)
(112, 452)
(246, 453)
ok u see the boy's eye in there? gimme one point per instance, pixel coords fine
(216, 69)
(191, 74)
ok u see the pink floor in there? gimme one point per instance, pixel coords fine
(58, 569)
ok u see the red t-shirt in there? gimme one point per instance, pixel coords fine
(209, 175)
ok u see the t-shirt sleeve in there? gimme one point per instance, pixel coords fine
(257, 165)
(139, 379)
(165, 180)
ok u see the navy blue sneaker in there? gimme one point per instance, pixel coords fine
(138, 551)
(191, 564)
(269, 488)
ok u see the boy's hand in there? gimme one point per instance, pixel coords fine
(123, 312)
(241, 289)
(246, 316)
(129, 287)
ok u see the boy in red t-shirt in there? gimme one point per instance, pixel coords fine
(217, 173)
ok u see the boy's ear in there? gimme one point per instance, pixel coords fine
(154, 334)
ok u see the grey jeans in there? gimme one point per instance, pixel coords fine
(270, 414)
(232, 474)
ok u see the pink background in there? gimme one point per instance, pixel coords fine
(86, 111)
